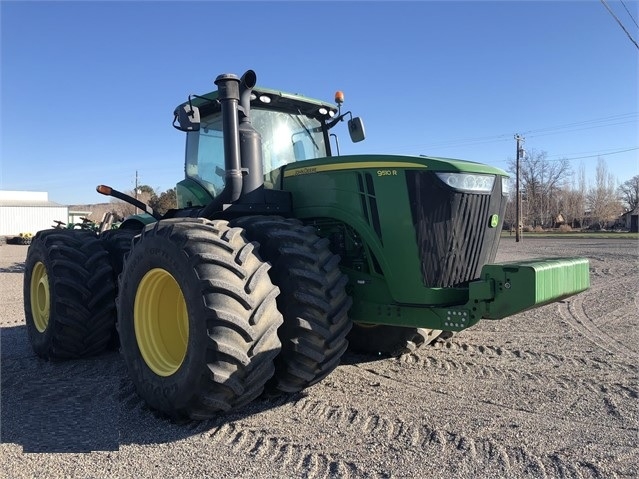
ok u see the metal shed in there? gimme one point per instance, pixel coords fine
(28, 212)
(631, 220)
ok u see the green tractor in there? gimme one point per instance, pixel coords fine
(279, 255)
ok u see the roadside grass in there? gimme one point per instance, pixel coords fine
(574, 234)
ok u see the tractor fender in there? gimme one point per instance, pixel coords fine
(137, 221)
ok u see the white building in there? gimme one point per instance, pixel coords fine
(28, 212)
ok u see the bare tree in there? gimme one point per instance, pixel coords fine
(602, 198)
(541, 180)
(573, 200)
(145, 193)
(629, 191)
(570, 206)
(583, 192)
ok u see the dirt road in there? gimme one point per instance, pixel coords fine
(547, 393)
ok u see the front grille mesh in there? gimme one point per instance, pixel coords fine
(453, 229)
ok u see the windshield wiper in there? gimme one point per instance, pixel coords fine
(308, 132)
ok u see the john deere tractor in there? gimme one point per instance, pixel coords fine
(279, 254)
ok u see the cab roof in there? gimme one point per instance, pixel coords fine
(272, 100)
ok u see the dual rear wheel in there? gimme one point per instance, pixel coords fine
(69, 294)
(207, 322)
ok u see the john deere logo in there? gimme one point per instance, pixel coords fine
(494, 220)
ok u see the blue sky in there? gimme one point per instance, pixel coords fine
(88, 88)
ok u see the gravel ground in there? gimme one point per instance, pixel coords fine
(551, 392)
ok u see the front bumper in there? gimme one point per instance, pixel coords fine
(502, 290)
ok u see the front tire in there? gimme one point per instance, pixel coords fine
(313, 300)
(197, 318)
(69, 294)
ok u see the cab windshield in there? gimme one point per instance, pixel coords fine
(286, 138)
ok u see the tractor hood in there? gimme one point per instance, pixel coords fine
(385, 164)
(430, 223)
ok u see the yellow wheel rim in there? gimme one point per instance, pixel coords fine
(161, 322)
(40, 297)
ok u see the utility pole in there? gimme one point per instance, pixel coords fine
(136, 189)
(520, 150)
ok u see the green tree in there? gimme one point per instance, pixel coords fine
(166, 201)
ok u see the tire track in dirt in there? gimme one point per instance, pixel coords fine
(551, 359)
(482, 371)
(612, 275)
(577, 316)
(297, 460)
(609, 404)
(491, 456)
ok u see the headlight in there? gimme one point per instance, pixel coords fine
(506, 185)
(468, 182)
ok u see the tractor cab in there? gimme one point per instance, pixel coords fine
(288, 135)
(291, 128)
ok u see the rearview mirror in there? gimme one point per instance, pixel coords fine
(356, 129)
(188, 118)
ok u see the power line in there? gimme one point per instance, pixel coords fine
(600, 154)
(606, 121)
(578, 129)
(629, 14)
(560, 157)
(618, 117)
(619, 22)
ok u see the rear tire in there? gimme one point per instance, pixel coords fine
(312, 300)
(118, 243)
(69, 294)
(197, 318)
(389, 340)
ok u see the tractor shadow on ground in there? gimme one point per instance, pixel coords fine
(56, 406)
(354, 359)
(13, 268)
(87, 405)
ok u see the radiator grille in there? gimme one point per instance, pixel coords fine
(369, 203)
(453, 230)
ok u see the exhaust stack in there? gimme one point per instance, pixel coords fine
(244, 178)
(228, 87)
(250, 145)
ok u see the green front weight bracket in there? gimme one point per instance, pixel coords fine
(502, 290)
(505, 289)
(519, 286)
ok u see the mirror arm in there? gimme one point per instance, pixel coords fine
(337, 119)
(191, 112)
(175, 117)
